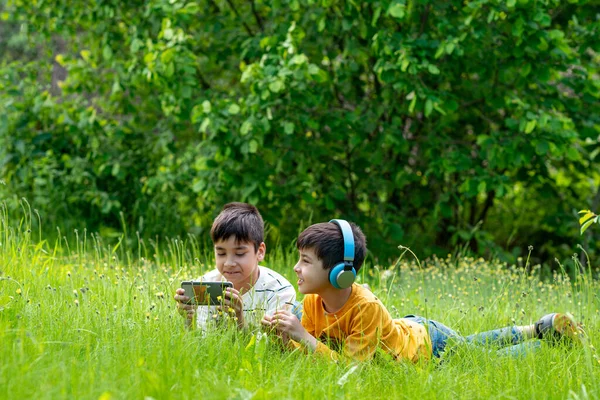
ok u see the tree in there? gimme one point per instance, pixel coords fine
(425, 122)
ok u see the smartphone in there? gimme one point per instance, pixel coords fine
(205, 293)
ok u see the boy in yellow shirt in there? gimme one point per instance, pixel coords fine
(341, 317)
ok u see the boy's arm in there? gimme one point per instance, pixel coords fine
(362, 338)
(234, 305)
(290, 329)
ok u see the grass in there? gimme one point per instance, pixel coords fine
(87, 319)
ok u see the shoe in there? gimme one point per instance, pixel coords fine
(559, 325)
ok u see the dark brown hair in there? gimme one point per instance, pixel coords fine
(241, 220)
(327, 241)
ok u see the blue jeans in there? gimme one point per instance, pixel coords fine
(510, 338)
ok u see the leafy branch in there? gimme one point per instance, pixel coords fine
(588, 218)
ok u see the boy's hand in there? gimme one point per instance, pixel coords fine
(233, 301)
(267, 323)
(288, 327)
(185, 310)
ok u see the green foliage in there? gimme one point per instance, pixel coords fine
(432, 124)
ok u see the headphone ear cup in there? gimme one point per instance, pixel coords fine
(333, 274)
(340, 278)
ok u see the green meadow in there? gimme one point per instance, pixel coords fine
(84, 318)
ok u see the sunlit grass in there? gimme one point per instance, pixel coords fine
(85, 318)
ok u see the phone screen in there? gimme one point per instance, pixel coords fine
(205, 293)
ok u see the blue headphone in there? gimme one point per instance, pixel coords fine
(342, 275)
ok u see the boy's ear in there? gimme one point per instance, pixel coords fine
(262, 249)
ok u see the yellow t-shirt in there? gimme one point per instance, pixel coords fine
(362, 325)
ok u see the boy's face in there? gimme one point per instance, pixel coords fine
(312, 277)
(238, 262)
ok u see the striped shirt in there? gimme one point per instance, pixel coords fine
(270, 292)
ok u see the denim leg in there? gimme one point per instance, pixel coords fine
(512, 337)
(500, 337)
(521, 349)
(439, 334)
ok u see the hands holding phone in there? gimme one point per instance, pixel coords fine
(233, 305)
(221, 294)
(184, 307)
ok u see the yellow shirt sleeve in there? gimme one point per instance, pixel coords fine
(306, 321)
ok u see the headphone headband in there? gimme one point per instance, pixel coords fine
(343, 274)
(348, 238)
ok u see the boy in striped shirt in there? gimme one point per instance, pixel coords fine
(237, 234)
